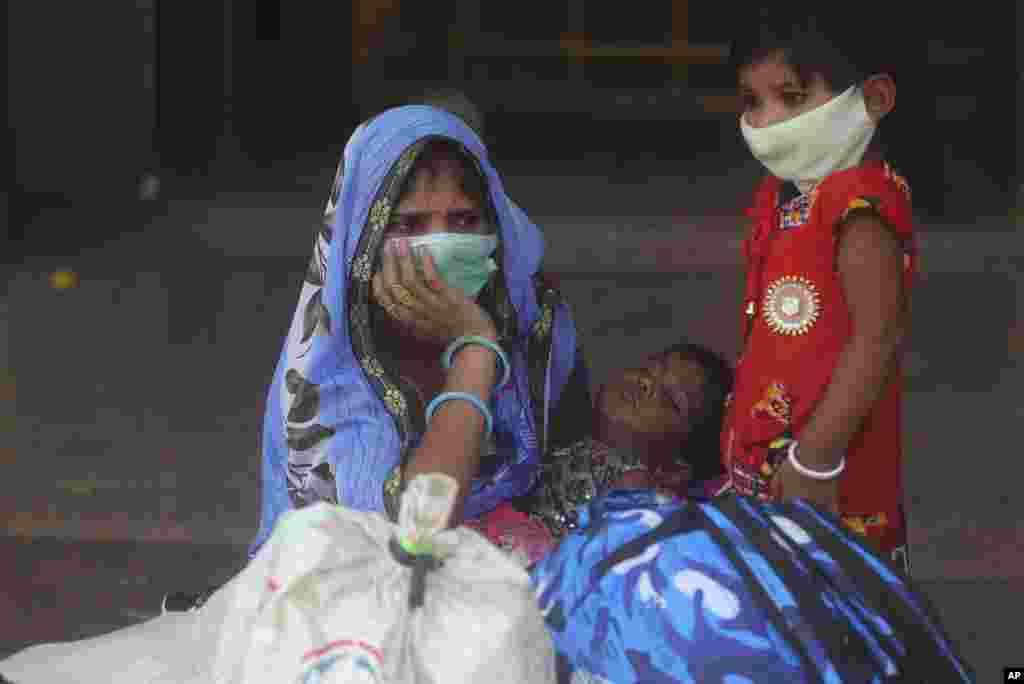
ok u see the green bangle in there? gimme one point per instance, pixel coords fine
(461, 342)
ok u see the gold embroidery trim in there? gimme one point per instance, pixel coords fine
(379, 214)
(543, 324)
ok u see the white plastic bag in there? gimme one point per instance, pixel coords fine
(328, 599)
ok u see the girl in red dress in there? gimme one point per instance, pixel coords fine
(830, 257)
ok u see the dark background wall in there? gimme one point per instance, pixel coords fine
(190, 82)
(1019, 123)
(78, 102)
(100, 92)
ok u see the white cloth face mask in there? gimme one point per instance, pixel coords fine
(808, 148)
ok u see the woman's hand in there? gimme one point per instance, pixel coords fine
(419, 299)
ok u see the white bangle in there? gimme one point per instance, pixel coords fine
(814, 474)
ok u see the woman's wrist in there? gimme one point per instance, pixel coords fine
(485, 342)
(475, 369)
(486, 330)
(475, 354)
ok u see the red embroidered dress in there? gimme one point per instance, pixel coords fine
(797, 322)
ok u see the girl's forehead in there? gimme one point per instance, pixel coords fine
(773, 70)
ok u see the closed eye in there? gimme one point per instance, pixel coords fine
(679, 399)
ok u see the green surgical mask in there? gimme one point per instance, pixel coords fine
(462, 259)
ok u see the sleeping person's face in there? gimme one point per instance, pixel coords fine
(652, 405)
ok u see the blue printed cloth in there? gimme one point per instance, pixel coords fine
(731, 591)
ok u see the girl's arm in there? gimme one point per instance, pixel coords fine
(870, 265)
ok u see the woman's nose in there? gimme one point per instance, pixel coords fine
(437, 223)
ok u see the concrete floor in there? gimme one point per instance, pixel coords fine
(134, 400)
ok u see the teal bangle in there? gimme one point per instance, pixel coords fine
(461, 342)
(471, 398)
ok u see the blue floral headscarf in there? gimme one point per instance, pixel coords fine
(338, 423)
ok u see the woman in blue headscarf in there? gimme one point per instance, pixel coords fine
(362, 362)
(364, 358)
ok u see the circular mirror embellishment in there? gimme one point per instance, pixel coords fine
(792, 305)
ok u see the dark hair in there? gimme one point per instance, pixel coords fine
(472, 181)
(702, 450)
(813, 40)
